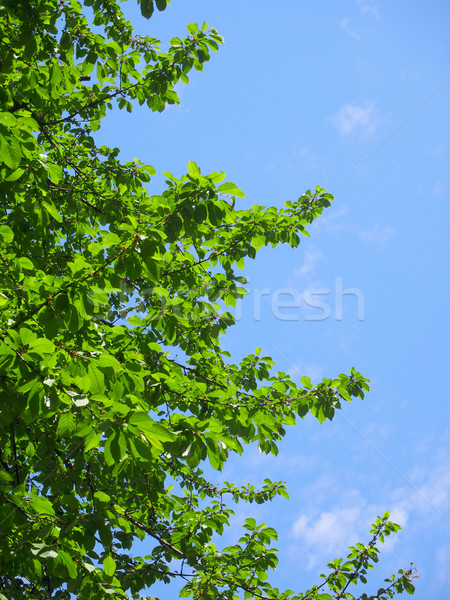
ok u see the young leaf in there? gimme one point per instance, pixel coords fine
(230, 188)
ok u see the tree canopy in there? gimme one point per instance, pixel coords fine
(115, 390)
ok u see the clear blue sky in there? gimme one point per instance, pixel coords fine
(352, 96)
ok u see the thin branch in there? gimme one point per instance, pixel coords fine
(139, 525)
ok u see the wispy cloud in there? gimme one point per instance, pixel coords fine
(369, 7)
(345, 25)
(328, 533)
(378, 235)
(356, 119)
(312, 257)
(323, 536)
(323, 528)
(332, 220)
(433, 484)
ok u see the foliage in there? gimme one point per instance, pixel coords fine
(114, 386)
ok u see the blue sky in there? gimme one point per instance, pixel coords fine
(352, 96)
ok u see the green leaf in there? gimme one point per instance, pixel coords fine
(162, 433)
(65, 560)
(4, 476)
(8, 119)
(193, 169)
(26, 264)
(66, 424)
(55, 74)
(109, 565)
(52, 211)
(10, 152)
(143, 422)
(48, 554)
(42, 506)
(214, 454)
(55, 173)
(154, 441)
(147, 8)
(107, 360)
(102, 497)
(94, 380)
(92, 441)
(192, 28)
(173, 227)
(42, 550)
(27, 336)
(41, 346)
(230, 188)
(115, 448)
(200, 213)
(185, 592)
(7, 234)
(15, 175)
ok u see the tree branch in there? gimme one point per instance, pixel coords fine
(139, 525)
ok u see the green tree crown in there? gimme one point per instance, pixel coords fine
(103, 430)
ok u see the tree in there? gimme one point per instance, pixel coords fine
(103, 429)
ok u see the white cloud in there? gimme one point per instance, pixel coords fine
(428, 489)
(378, 235)
(433, 487)
(369, 7)
(330, 532)
(335, 515)
(353, 118)
(312, 257)
(345, 25)
(331, 220)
